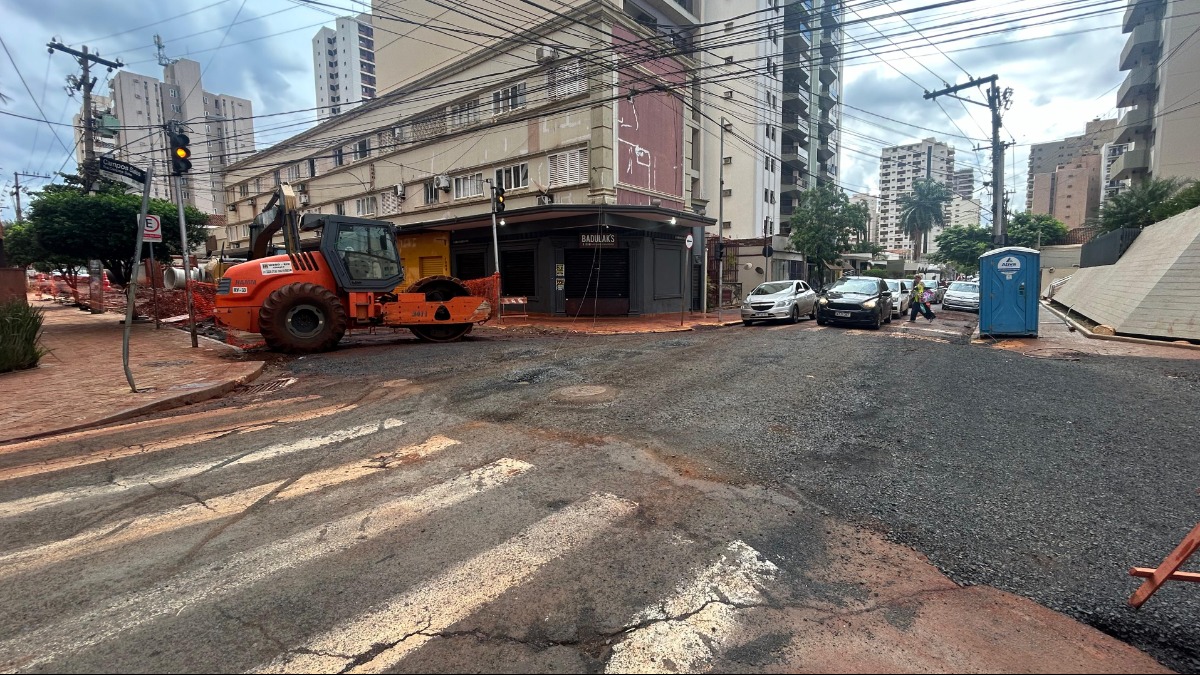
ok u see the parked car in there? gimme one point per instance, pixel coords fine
(774, 300)
(962, 295)
(856, 300)
(901, 296)
(939, 291)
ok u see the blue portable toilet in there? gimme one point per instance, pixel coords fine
(1009, 281)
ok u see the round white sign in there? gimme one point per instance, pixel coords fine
(152, 229)
(1008, 266)
(688, 241)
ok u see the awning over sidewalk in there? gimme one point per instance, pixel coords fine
(654, 214)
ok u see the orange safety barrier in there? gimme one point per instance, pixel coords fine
(486, 287)
(1168, 570)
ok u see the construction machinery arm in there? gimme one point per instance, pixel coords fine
(279, 214)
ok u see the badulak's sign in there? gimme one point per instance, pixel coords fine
(605, 240)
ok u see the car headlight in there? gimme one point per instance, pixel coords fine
(870, 304)
(781, 303)
(824, 301)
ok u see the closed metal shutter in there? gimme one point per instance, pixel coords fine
(609, 279)
(432, 265)
(470, 266)
(517, 273)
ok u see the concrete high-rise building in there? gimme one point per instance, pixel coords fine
(964, 183)
(1045, 158)
(964, 212)
(1072, 193)
(899, 167)
(873, 222)
(1161, 124)
(220, 129)
(1111, 186)
(344, 65)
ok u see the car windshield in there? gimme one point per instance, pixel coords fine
(893, 285)
(772, 288)
(964, 287)
(855, 285)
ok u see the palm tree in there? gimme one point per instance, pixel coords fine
(922, 210)
(1145, 203)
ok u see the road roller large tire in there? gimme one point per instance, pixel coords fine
(440, 332)
(301, 319)
(439, 288)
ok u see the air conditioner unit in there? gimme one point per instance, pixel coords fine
(400, 192)
(442, 183)
(545, 54)
(728, 93)
(300, 187)
(303, 198)
(233, 207)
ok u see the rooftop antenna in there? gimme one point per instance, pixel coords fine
(162, 52)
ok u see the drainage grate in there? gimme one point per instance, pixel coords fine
(269, 387)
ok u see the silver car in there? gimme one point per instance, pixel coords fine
(901, 295)
(962, 295)
(773, 300)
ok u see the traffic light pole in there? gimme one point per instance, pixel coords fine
(720, 226)
(496, 252)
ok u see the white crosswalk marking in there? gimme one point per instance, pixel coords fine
(244, 569)
(113, 535)
(708, 607)
(123, 484)
(382, 637)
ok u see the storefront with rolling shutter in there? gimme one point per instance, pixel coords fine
(569, 260)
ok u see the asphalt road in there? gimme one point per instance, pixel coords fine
(661, 502)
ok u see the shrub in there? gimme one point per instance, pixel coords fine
(20, 336)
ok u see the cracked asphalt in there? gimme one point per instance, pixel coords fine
(772, 498)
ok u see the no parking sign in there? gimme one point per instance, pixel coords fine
(152, 230)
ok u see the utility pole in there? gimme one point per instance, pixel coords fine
(17, 188)
(85, 84)
(996, 101)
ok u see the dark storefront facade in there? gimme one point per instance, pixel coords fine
(583, 261)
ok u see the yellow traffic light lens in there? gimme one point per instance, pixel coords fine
(182, 153)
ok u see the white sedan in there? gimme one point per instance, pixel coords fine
(773, 300)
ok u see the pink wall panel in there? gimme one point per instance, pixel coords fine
(650, 127)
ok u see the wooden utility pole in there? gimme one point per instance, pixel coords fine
(85, 84)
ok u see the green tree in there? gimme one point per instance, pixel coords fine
(23, 251)
(961, 247)
(866, 247)
(922, 210)
(69, 223)
(1146, 203)
(823, 222)
(1031, 230)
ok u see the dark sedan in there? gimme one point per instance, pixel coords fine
(865, 300)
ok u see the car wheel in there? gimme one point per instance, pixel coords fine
(746, 323)
(795, 315)
(878, 321)
(821, 320)
(889, 318)
(812, 314)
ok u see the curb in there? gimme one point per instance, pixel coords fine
(1115, 338)
(177, 401)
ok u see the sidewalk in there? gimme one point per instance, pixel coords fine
(81, 381)
(1056, 340)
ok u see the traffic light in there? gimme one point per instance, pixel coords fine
(720, 248)
(180, 154)
(498, 199)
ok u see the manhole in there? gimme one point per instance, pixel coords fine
(269, 387)
(584, 393)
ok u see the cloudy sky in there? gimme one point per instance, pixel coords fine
(1061, 66)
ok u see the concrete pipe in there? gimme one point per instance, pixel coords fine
(173, 277)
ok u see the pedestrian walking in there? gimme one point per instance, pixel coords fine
(921, 298)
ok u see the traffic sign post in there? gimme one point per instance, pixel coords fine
(140, 228)
(152, 229)
(687, 286)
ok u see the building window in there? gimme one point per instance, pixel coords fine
(276, 176)
(516, 176)
(365, 206)
(429, 126)
(509, 98)
(293, 172)
(465, 113)
(340, 208)
(176, 108)
(566, 80)
(312, 167)
(362, 149)
(244, 190)
(339, 157)
(258, 185)
(468, 186)
(174, 92)
(431, 193)
(567, 168)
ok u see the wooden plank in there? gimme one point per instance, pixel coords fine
(1169, 566)
(1147, 572)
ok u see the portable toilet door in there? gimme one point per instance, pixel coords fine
(1008, 291)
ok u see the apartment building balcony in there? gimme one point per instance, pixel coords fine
(796, 45)
(796, 131)
(1132, 164)
(1133, 125)
(1144, 44)
(827, 75)
(1139, 84)
(1138, 11)
(824, 154)
(795, 156)
(827, 100)
(829, 44)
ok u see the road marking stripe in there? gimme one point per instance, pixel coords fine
(121, 452)
(244, 569)
(27, 504)
(148, 424)
(709, 607)
(112, 535)
(379, 639)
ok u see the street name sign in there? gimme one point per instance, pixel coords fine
(122, 172)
